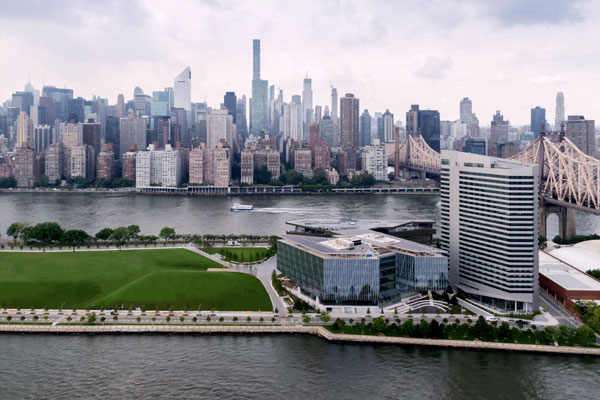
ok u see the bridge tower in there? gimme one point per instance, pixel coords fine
(566, 216)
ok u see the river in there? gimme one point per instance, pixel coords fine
(206, 214)
(277, 367)
(261, 367)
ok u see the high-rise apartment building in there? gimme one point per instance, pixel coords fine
(259, 103)
(499, 130)
(247, 167)
(538, 118)
(321, 155)
(55, 161)
(489, 228)
(326, 130)
(132, 131)
(365, 128)
(388, 126)
(219, 127)
(582, 133)
(559, 115)
(375, 161)
(158, 167)
(24, 130)
(240, 117)
(349, 117)
(105, 165)
(128, 165)
(24, 167)
(292, 121)
(42, 137)
(71, 134)
(303, 161)
(82, 161)
(210, 166)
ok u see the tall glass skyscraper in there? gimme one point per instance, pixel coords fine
(259, 103)
(538, 117)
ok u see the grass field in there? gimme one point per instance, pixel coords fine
(152, 279)
(245, 254)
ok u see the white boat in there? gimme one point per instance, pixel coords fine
(242, 207)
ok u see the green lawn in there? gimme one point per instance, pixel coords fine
(244, 254)
(152, 279)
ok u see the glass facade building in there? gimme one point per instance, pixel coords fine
(363, 267)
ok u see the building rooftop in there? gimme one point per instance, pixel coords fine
(581, 258)
(361, 243)
(341, 224)
(565, 275)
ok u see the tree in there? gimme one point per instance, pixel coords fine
(305, 320)
(119, 236)
(542, 242)
(45, 233)
(41, 181)
(325, 317)
(104, 234)
(262, 175)
(363, 180)
(292, 177)
(338, 325)
(74, 237)
(585, 335)
(167, 233)
(9, 182)
(17, 229)
(319, 177)
(91, 318)
(133, 231)
(379, 324)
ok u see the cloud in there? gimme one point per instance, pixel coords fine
(533, 12)
(499, 78)
(433, 67)
(548, 80)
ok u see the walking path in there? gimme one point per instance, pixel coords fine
(290, 329)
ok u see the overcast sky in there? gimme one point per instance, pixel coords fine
(503, 54)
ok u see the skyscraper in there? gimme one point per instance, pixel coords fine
(61, 97)
(120, 105)
(326, 130)
(365, 128)
(182, 94)
(466, 111)
(132, 132)
(581, 132)
(489, 228)
(538, 117)
(259, 103)
(499, 131)
(425, 123)
(307, 103)
(559, 115)
(388, 126)
(334, 117)
(412, 120)
(230, 103)
(23, 101)
(349, 115)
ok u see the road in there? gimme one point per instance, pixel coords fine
(563, 317)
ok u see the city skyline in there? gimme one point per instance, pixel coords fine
(445, 64)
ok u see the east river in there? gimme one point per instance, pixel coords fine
(261, 367)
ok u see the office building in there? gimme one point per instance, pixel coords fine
(230, 103)
(61, 98)
(559, 115)
(259, 107)
(581, 132)
(159, 107)
(466, 111)
(182, 90)
(360, 267)
(499, 130)
(132, 131)
(120, 106)
(240, 118)
(292, 121)
(47, 111)
(23, 101)
(538, 119)
(326, 130)
(489, 228)
(475, 146)
(307, 104)
(349, 117)
(113, 134)
(374, 160)
(365, 128)
(42, 138)
(412, 120)
(91, 134)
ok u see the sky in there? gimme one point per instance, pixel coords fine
(507, 55)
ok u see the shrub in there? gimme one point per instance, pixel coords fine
(306, 319)
(379, 324)
(272, 319)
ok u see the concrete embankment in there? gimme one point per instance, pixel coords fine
(291, 329)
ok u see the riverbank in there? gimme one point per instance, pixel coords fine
(291, 329)
(236, 190)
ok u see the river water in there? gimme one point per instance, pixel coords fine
(261, 367)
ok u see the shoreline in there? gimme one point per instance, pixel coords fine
(318, 331)
(233, 191)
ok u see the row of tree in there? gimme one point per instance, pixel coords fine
(263, 176)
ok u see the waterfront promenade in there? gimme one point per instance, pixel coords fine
(293, 329)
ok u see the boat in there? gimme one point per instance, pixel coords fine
(242, 207)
